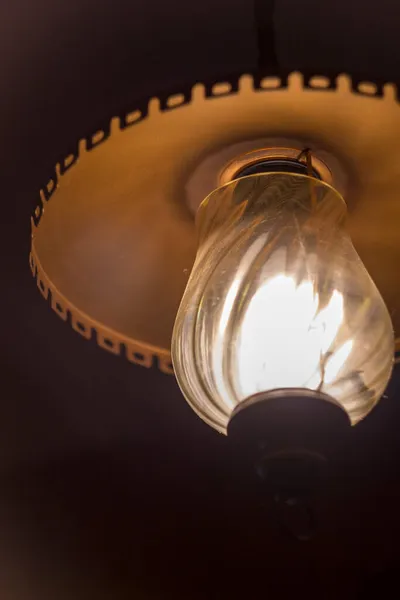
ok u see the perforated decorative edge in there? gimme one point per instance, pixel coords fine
(136, 351)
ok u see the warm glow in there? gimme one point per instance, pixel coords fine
(279, 299)
(286, 339)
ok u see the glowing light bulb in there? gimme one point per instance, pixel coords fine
(278, 299)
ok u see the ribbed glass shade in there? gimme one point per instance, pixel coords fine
(279, 298)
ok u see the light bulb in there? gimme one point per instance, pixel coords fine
(279, 299)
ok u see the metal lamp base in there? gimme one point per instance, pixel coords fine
(287, 437)
(289, 420)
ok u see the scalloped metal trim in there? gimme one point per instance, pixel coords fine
(135, 351)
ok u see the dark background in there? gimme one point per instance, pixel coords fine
(110, 486)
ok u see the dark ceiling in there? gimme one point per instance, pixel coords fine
(110, 486)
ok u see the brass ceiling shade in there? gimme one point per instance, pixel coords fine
(113, 236)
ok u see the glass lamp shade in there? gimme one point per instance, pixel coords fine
(278, 298)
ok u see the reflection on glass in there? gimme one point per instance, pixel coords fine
(278, 298)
